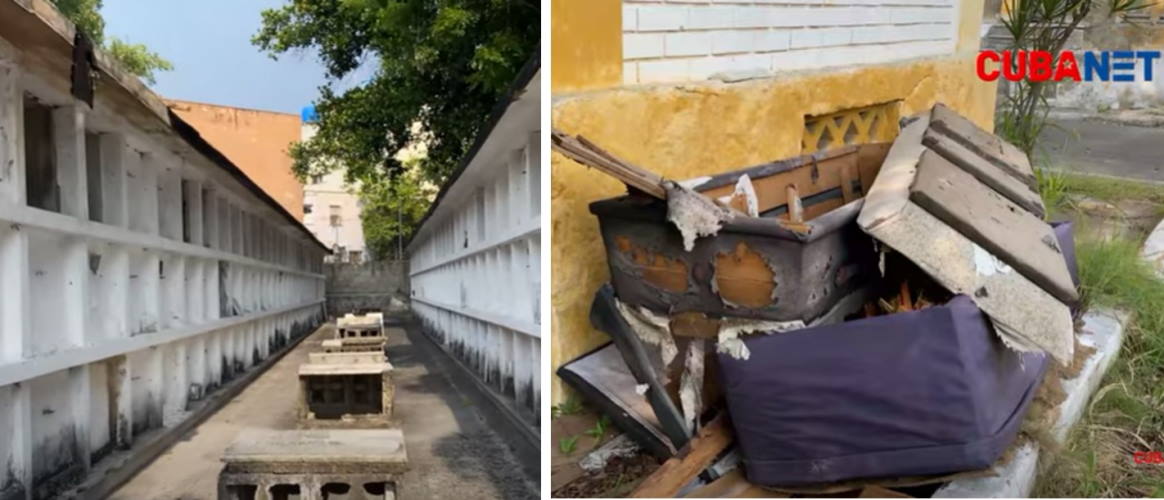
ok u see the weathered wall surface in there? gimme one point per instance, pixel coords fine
(257, 141)
(156, 274)
(702, 127)
(475, 260)
(371, 285)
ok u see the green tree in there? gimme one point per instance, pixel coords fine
(136, 57)
(391, 208)
(440, 67)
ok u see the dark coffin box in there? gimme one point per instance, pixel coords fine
(758, 267)
(915, 393)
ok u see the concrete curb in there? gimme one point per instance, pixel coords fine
(118, 468)
(1103, 330)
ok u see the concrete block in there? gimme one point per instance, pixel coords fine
(313, 464)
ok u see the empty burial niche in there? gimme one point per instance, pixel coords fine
(241, 492)
(380, 491)
(187, 217)
(285, 492)
(335, 491)
(332, 397)
(40, 156)
(93, 175)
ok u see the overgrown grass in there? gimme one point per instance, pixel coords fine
(1108, 189)
(1126, 414)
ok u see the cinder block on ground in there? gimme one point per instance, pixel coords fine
(313, 464)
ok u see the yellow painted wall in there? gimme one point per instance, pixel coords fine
(586, 44)
(690, 130)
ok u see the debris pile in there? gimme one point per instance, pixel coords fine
(872, 316)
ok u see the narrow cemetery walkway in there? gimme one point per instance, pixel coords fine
(451, 452)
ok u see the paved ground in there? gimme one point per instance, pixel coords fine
(1099, 147)
(452, 454)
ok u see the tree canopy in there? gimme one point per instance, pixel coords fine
(439, 68)
(136, 57)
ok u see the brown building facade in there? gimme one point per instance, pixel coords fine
(257, 141)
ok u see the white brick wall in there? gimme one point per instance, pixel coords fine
(688, 40)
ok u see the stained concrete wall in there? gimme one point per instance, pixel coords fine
(703, 127)
(475, 262)
(371, 285)
(257, 141)
(158, 276)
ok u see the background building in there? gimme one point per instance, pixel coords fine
(698, 87)
(331, 207)
(257, 141)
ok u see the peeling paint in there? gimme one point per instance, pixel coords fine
(652, 329)
(693, 214)
(657, 269)
(743, 277)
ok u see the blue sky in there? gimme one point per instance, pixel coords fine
(209, 43)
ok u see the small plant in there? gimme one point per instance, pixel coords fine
(567, 445)
(1043, 25)
(1052, 187)
(571, 406)
(599, 430)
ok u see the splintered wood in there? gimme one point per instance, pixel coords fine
(587, 153)
(698, 455)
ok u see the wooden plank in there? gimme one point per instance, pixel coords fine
(999, 152)
(734, 485)
(810, 179)
(696, 456)
(1010, 233)
(589, 154)
(986, 172)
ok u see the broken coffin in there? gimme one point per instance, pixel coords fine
(974, 240)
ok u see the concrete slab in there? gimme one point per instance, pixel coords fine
(1025, 316)
(1002, 154)
(1003, 228)
(986, 172)
(347, 358)
(317, 451)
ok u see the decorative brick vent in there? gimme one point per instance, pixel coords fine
(876, 123)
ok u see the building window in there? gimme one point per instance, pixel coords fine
(354, 256)
(306, 208)
(335, 216)
(317, 179)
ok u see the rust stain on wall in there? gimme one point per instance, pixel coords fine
(657, 269)
(743, 278)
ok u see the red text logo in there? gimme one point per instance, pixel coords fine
(1040, 65)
